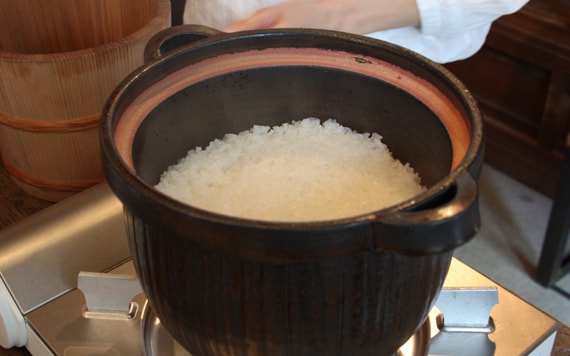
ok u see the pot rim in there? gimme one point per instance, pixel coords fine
(137, 187)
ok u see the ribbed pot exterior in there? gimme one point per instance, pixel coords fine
(216, 303)
(224, 285)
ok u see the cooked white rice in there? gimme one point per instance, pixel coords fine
(302, 171)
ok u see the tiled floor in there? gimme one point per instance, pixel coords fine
(507, 248)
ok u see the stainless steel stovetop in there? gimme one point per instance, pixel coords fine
(67, 287)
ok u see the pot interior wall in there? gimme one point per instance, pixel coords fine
(236, 101)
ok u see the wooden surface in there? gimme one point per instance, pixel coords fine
(15, 205)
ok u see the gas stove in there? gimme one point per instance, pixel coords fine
(68, 287)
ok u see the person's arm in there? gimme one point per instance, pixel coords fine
(442, 30)
(431, 17)
(355, 16)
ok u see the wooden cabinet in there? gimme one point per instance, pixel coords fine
(521, 78)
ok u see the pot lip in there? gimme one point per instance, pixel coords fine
(117, 167)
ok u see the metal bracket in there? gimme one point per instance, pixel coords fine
(465, 322)
(109, 295)
(467, 309)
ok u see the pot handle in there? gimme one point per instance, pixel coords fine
(176, 37)
(432, 229)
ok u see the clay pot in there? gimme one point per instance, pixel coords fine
(359, 285)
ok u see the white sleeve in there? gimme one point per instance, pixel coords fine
(450, 30)
(438, 49)
(449, 17)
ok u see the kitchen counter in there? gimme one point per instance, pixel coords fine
(15, 205)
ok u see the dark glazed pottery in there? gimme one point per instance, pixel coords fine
(360, 285)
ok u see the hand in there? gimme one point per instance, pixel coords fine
(355, 16)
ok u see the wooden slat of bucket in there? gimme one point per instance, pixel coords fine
(68, 155)
(55, 26)
(62, 88)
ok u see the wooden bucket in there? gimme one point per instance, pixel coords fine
(59, 62)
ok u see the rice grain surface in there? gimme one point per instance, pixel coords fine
(300, 171)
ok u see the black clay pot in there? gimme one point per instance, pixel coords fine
(355, 286)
